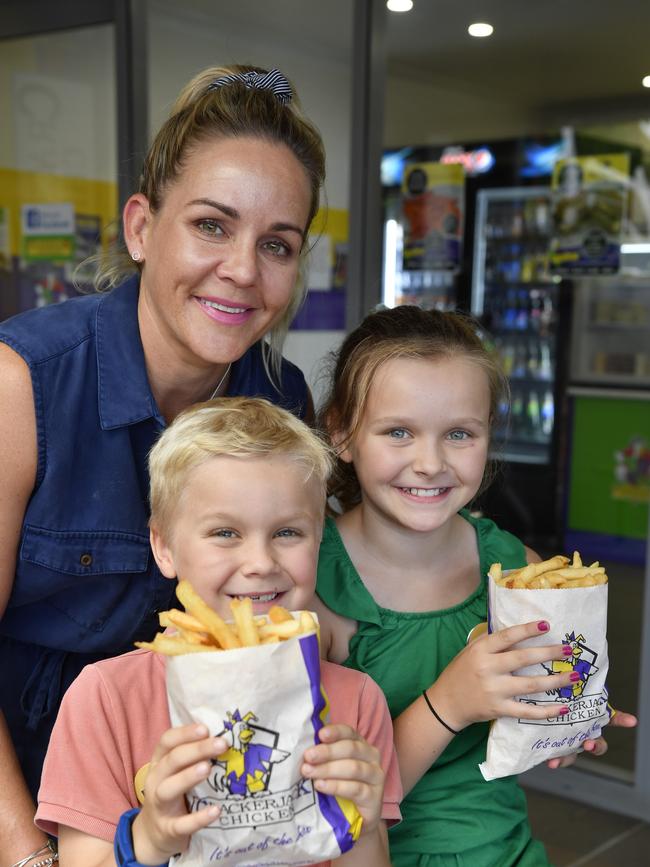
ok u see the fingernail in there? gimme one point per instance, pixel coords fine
(574, 677)
(567, 651)
(201, 730)
(201, 769)
(543, 626)
(564, 711)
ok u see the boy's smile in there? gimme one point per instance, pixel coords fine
(246, 527)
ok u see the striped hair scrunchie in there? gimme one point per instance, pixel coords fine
(273, 80)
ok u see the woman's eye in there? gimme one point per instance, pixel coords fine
(459, 435)
(278, 248)
(209, 227)
(398, 433)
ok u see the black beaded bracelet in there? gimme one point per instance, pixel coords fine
(437, 715)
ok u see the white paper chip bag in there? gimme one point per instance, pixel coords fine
(267, 702)
(578, 618)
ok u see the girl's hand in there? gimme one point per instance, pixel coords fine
(597, 747)
(478, 683)
(346, 765)
(180, 761)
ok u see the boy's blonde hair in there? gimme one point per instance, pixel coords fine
(229, 427)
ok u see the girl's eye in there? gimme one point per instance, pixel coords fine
(209, 227)
(398, 433)
(278, 248)
(459, 435)
(287, 533)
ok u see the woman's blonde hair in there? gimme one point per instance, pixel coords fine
(229, 427)
(402, 332)
(202, 113)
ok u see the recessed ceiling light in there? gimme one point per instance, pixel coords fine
(645, 81)
(399, 5)
(480, 29)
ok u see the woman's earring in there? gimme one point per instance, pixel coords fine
(135, 255)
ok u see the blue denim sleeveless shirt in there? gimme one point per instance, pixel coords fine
(86, 582)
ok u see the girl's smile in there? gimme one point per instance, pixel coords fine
(425, 494)
(421, 447)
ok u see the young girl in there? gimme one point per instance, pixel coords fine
(412, 405)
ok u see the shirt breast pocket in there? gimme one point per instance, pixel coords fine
(90, 576)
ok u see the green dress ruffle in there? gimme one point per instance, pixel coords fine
(452, 816)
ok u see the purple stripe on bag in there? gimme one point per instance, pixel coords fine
(328, 804)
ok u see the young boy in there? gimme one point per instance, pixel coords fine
(237, 503)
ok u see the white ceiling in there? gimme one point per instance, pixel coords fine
(547, 54)
(552, 62)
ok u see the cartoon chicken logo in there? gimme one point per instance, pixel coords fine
(582, 660)
(246, 766)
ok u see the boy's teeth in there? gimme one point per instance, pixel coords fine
(263, 597)
(425, 492)
(224, 308)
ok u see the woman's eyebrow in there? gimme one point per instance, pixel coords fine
(234, 214)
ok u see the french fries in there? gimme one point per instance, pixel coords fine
(554, 574)
(201, 629)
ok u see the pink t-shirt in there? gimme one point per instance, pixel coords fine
(114, 714)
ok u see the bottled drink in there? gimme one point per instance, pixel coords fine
(518, 417)
(548, 413)
(510, 312)
(533, 414)
(545, 365)
(519, 368)
(535, 310)
(522, 311)
(533, 358)
(508, 358)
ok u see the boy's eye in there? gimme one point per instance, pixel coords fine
(398, 433)
(224, 533)
(459, 435)
(288, 533)
(209, 227)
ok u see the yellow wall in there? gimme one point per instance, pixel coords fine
(31, 188)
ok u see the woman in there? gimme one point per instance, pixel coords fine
(229, 189)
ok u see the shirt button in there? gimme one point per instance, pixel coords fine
(86, 559)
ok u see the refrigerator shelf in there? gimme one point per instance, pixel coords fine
(498, 285)
(525, 454)
(617, 326)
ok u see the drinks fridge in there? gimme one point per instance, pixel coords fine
(608, 472)
(523, 309)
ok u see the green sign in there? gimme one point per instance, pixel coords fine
(609, 487)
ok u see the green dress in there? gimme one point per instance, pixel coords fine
(452, 816)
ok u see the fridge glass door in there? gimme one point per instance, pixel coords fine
(611, 331)
(515, 299)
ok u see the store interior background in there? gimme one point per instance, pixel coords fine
(548, 67)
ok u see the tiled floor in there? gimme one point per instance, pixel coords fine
(580, 836)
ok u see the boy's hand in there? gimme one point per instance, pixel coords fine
(180, 761)
(478, 683)
(346, 765)
(597, 746)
